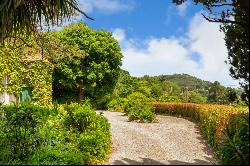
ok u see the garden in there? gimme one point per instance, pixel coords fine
(63, 134)
(53, 82)
(58, 123)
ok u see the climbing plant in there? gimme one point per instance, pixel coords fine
(26, 69)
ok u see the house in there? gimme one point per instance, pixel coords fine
(5, 97)
(25, 77)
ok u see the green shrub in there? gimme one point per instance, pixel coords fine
(80, 117)
(94, 138)
(59, 155)
(235, 150)
(137, 110)
(135, 101)
(143, 114)
(147, 114)
(72, 134)
(19, 130)
(117, 104)
(135, 106)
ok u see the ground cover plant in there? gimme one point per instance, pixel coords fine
(225, 127)
(69, 134)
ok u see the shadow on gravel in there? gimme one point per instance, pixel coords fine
(147, 161)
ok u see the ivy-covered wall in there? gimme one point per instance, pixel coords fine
(33, 73)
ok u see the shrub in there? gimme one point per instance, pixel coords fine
(72, 134)
(137, 110)
(225, 127)
(94, 138)
(18, 127)
(134, 106)
(143, 114)
(80, 117)
(235, 149)
(135, 101)
(117, 104)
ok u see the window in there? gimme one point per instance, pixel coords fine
(6, 80)
(26, 94)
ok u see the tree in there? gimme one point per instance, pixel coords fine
(217, 93)
(231, 95)
(95, 73)
(24, 17)
(171, 88)
(125, 85)
(237, 42)
(143, 88)
(234, 17)
(196, 97)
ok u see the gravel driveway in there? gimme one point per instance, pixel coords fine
(169, 141)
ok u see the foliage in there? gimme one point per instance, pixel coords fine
(144, 114)
(135, 101)
(237, 42)
(117, 104)
(95, 137)
(196, 97)
(125, 85)
(134, 106)
(225, 127)
(70, 134)
(216, 93)
(168, 98)
(235, 150)
(185, 80)
(18, 130)
(95, 73)
(176, 88)
(23, 17)
(36, 74)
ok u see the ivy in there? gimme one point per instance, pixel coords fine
(32, 73)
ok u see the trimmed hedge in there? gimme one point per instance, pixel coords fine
(225, 127)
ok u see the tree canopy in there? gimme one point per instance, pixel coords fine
(92, 74)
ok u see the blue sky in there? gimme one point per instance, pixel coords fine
(144, 18)
(158, 37)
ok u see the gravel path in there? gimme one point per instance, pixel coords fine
(171, 140)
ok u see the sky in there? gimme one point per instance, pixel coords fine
(157, 37)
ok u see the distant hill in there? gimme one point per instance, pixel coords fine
(185, 80)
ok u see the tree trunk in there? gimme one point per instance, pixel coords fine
(80, 92)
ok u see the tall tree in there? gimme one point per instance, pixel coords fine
(95, 73)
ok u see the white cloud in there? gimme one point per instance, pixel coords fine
(182, 8)
(176, 10)
(173, 55)
(119, 34)
(88, 6)
(105, 6)
(207, 41)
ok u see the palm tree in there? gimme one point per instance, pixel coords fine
(25, 16)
